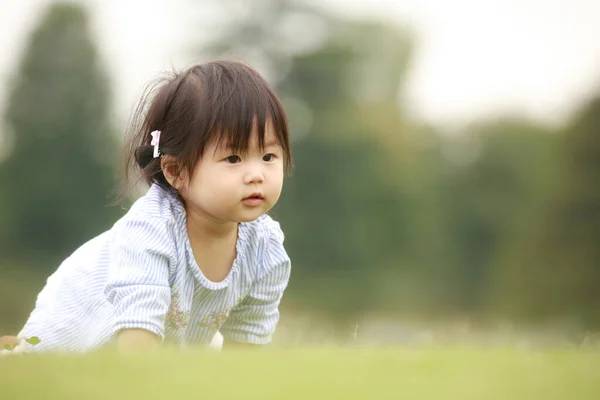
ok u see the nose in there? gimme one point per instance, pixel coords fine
(254, 174)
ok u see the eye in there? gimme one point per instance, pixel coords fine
(268, 157)
(233, 159)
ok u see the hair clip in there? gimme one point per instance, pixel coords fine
(155, 142)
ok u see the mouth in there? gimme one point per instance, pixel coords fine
(254, 199)
(254, 196)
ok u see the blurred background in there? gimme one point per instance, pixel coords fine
(447, 153)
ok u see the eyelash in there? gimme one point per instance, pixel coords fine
(235, 159)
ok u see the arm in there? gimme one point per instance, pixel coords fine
(138, 283)
(254, 320)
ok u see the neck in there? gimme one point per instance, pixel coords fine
(203, 228)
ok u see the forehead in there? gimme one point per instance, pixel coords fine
(252, 139)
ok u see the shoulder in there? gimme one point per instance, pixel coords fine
(266, 240)
(157, 203)
(143, 247)
(265, 228)
(154, 217)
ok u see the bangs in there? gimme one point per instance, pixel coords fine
(237, 101)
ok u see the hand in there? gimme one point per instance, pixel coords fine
(8, 340)
(137, 339)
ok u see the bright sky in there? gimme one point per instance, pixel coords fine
(474, 57)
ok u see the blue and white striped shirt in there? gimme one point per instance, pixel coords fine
(142, 274)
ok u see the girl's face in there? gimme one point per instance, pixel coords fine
(235, 187)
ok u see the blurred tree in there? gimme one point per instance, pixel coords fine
(383, 212)
(557, 274)
(56, 180)
(498, 181)
(347, 219)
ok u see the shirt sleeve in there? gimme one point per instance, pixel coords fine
(254, 320)
(138, 282)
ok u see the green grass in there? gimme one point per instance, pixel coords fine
(336, 373)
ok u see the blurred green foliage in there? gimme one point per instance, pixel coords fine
(56, 180)
(384, 214)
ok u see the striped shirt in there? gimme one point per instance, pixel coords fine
(142, 274)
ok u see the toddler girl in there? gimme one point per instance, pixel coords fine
(197, 255)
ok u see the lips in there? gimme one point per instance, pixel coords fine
(254, 196)
(255, 199)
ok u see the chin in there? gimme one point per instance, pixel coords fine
(249, 218)
(250, 215)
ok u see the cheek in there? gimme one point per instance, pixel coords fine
(277, 181)
(213, 182)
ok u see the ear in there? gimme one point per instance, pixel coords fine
(172, 172)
